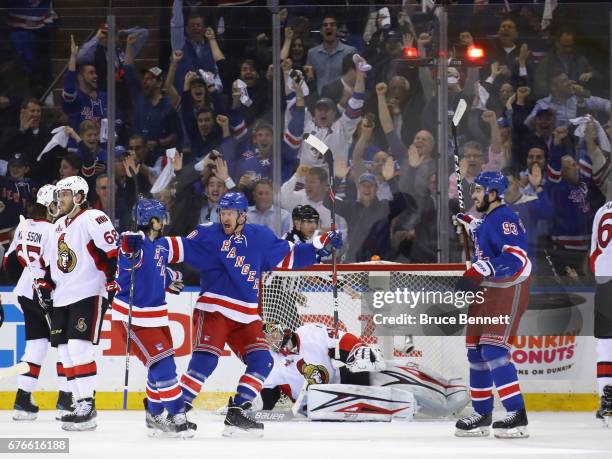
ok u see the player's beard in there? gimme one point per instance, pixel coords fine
(484, 206)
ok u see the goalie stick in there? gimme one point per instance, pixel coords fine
(327, 154)
(459, 112)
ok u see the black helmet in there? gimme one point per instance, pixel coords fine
(308, 213)
(295, 214)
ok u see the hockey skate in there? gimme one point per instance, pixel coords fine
(181, 427)
(476, 425)
(25, 409)
(157, 424)
(83, 417)
(238, 423)
(605, 408)
(514, 425)
(64, 405)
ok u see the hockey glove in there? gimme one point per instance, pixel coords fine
(175, 287)
(470, 223)
(112, 288)
(176, 281)
(365, 358)
(131, 242)
(43, 290)
(327, 241)
(473, 277)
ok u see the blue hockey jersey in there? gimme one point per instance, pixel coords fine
(230, 266)
(501, 240)
(151, 278)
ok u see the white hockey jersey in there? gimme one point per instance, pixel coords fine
(37, 235)
(311, 362)
(601, 243)
(78, 256)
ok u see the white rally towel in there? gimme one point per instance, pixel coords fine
(582, 122)
(60, 138)
(166, 175)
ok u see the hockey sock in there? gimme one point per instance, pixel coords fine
(62, 351)
(201, 366)
(259, 364)
(35, 351)
(504, 376)
(154, 404)
(481, 383)
(170, 393)
(604, 363)
(85, 369)
(62, 381)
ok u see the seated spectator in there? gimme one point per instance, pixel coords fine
(29, 138)
(250, 156)
(563, 56)
(92, 156)
(154, 116)
(190, 39)
(326, 58)
(336, 132)
(16, 194)
(313, 187)
(102, 201)
(567, 100)
(263, 212)
(71, 164)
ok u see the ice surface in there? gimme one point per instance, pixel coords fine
(122, 435)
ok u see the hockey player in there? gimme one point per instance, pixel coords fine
(501, 264)
(305, 224)
(150, 331)
(230, 256)
(82, 261)
(309, 353)
(22, 262)
(601, 265)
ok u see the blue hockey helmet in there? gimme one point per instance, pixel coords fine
(493, 181)
(234, 200)
(147, 209)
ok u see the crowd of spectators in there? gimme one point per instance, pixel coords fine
(199, 123)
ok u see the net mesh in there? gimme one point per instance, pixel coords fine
(296, 297)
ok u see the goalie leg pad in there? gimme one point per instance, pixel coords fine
(345, 402)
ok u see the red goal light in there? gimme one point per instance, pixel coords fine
(475, 53)
(411, 53)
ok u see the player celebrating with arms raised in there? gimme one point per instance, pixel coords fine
(500, 264)
(230, 256)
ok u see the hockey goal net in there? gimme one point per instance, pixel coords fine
(298, 296)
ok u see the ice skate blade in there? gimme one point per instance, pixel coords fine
(515, 432)
(606, 422)
(19, 415)
(80, 426)
(477, 432)
(184, 434)
(236, 432)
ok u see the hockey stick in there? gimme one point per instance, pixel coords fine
(19, 369)
(300, 398)
(130, 306)
(23, 223)
(459, 112)
(329, 159)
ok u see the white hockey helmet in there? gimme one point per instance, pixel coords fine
(73, 183)
(46, 195)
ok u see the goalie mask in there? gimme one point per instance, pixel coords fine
(274, 333)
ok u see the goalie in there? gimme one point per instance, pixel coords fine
(345, 379)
